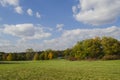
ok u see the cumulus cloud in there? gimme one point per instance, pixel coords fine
(97, 12)
(38, 15)
(18, 10)
(74, 9)
(14, 3)
(30, 12)
(60, 27)
(26, 31)
(9, 2)
(67, 39)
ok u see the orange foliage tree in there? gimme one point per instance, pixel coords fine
(50, 55)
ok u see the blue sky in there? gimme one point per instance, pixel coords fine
(55, 24)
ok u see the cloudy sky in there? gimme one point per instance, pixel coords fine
(55, 24)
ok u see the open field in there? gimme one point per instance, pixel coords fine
(60, 70)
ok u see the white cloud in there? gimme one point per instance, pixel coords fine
(18, 9)
(67, 39)
(60, 27)
(14, 3)
(74, 9)
(9, 2)
(26, 31)
(30, 12)
(97, 12)
(38, 15)
(23, 34)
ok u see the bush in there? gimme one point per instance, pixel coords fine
(111, 57)
(72, 58)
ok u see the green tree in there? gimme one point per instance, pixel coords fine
(67, 52)
(45, 55)
(29, 54)
(1, 55)
(21, 56)
(110, 46)
(77, 50)
(89, 48)
(4, 57)
(41, 56)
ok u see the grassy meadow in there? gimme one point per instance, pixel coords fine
(60, 70)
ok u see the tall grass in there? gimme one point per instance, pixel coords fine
(60, 70)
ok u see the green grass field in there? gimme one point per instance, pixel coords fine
(60, 70)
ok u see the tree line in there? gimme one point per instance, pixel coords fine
(105, 48)
(30, 54)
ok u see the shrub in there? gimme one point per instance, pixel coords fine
(111, 57)
(72, 58)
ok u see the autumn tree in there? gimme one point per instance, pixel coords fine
(89, 48)
(9, 57)
(77, 51)
(36, 56)
(50, 55)
(110, 46)
(92, 47)
(96, 48)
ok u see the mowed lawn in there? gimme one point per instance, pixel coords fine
(60, 70)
